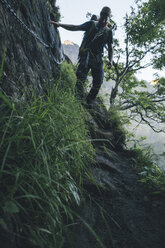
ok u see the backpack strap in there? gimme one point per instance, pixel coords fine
(85, 45)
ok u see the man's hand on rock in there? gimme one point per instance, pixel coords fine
(56, 24)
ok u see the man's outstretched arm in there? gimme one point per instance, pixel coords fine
(66, 26)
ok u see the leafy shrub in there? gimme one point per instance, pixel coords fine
(151, 174)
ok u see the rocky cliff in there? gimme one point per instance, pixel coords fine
(30, 44)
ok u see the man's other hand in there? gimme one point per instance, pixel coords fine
(110, 64)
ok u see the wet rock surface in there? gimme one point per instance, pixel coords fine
(28, 63)
(117, 211)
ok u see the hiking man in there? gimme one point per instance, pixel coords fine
(97, 35)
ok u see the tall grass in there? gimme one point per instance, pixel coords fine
(116, 122)
(44, 152)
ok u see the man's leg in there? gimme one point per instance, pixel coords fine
(98, 76)
(81, 73)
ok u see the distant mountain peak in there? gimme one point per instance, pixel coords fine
(71, 50)
(68, 42)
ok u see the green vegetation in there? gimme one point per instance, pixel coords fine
(142, 156)
(143, 47)
(150, 173)
(45, 151)
(146, 28)
(55, 13)
(116, 122)
(143, 102)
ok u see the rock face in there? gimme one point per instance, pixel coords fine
(28, 62)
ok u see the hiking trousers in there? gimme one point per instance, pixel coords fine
(86, 64)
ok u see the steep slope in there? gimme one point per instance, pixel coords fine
(117, 206)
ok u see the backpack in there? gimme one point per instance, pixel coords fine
(86, 44)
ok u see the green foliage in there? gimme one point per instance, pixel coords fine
(116, 122)
(156, 8)
(145, 27)
(44, 151)
(154, 177)
(146, 21)
(67, 77)
(150, 174)
(143, 102)
(54, 10)
(144, 35)
(146, 104)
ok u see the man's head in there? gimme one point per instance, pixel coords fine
(105, 14)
